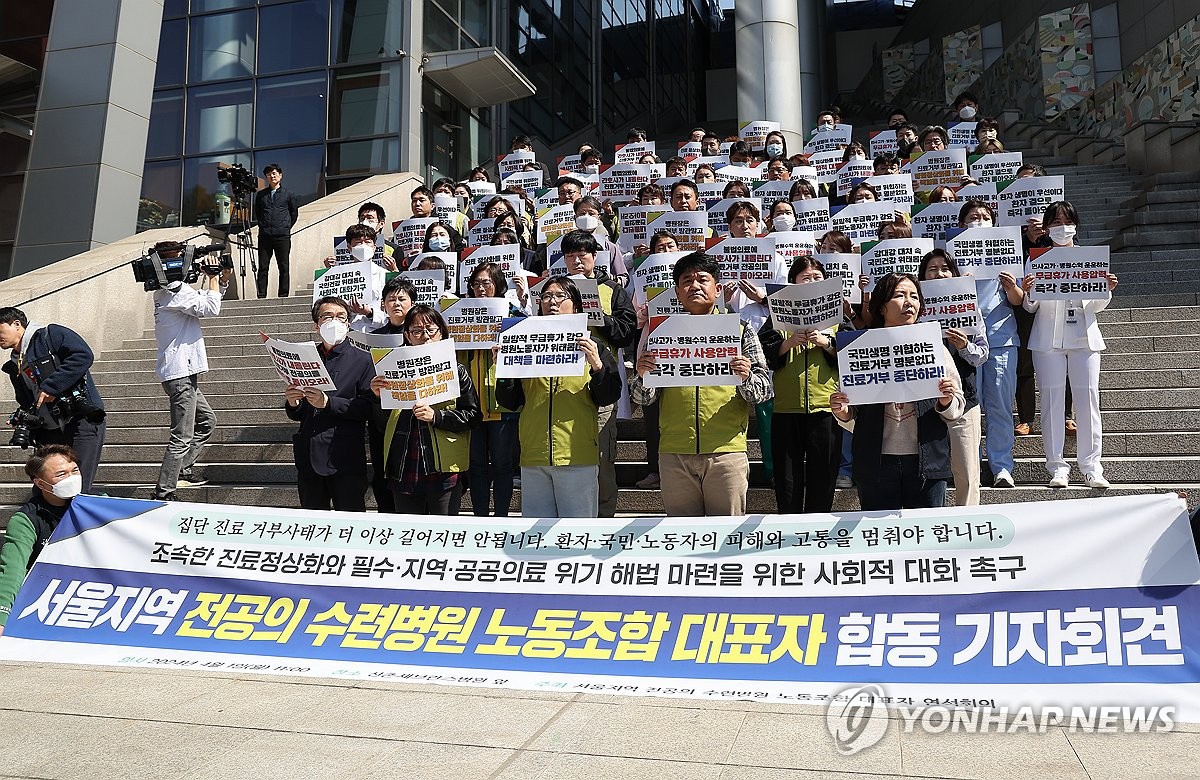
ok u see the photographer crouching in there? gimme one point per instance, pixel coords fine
(182, 358)
(51, 377)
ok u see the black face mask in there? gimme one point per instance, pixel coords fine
(905, 148)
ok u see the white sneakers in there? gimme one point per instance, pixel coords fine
(1059, 480)
(1096, 481)
(844, 482)
(1003, 480)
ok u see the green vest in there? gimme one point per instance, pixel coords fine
(451, 450)
(558, 425)
(481, 367)
(806, 381)
(702, 420)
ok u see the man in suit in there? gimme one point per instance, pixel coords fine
(275, 213)
(330, 446)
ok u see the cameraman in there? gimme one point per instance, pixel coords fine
(182, 358)
(77, 420)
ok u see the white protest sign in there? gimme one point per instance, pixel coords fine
(852, 172)
(996, 167)
(445, 207)
(861, 221)
(629, 154)
(430, 285)
(985, 192)
(481, 188)
(846, 266)
(715, 160)
(962, 134)
(1069, 273)
(507, 256)
(541, 346)
(1028, 197)
(299, 365)
(571, 163)
(427, 374)
(826, 165)
(449, 266)
(894, 187)
(812, 214)
(929, 169)
(513, 162)
(654, 271)
(728, 173)
(808, 306)
(622, 182)
(633, 226)
(755, 133)
(545, 198)
(409, 234)
(790, 244)
(558, 261)
(749, 259)
(526, 180)
(479, 204)
(891, 365)
(830, 139)
(368, 341)
(689, 149)
(718, 213)
(710, 191)
(555, 221)
(986, 252)
(689, 227)
(480, 231)
(883, 142)
(899, 255)
(808, 173)
(771, 191)
(952, 303)
(693, 350)
(662, 302)
(346, 281)
(931, 220)
(473, 322)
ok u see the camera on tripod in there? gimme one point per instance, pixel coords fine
(173, 261)
(239, 179)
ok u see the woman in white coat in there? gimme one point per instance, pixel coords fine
(1066, 341)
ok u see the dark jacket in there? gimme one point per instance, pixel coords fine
(933, 441)
(332, 440)
(28, 531)
(74, 361)
(276, 216)
(457, 416)
(620, 328)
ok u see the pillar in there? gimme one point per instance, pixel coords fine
(767, 41)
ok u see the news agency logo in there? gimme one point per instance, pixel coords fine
(857, 718)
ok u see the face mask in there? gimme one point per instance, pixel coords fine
(1062, 234)
(979, 222)
(439, 243)
(69, 487)
(334, 331)
(859, 157)
(587, 222)
(825, 126)
(989, 135)
(784, 222)
(363, 252)
(967, 112)
(369, 223)
(591, 169)
(774, 150)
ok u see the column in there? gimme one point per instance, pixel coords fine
(412, 156)
(767, 41)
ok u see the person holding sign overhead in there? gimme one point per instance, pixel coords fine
(329, 448)
(1066, 341)
(901, 450)
(560, 452)
(428, 447)
(702, 463)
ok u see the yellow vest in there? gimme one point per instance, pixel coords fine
(806, 381)
(451, 449)
(558, 425)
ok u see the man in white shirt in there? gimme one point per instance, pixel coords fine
(182, 358)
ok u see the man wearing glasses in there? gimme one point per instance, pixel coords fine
(330, 446)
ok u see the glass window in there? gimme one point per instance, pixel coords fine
(441, 34)
(291, 109)
(159, 205)
(14, 153)
(476, 22)
(365, 102)
(200, 185)
(219, 117)
(366, 29)
(165, 138)
(293, 36)
(200, 6)
(10, 205)
(303, 169)
(222, 46)
(378, 155)
(172, 53)
(174, 8)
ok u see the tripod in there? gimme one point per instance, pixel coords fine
(239, 235)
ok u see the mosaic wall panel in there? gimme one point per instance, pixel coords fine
(898, 67)
(1014, 81)
(1065, 45)
(962, 60)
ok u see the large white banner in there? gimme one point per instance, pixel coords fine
(693, 349)
(891, 365)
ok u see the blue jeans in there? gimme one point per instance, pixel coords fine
(997, 388)
(898, 485)
(492, 465)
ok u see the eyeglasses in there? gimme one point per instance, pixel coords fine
(426, 331)
(328, 317)
(555, 297)
(482, 284)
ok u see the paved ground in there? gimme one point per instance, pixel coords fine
(75, 722)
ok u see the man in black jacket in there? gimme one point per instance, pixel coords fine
(330, 446)
(50, 373)
(275, 213)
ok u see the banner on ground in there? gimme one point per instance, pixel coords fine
(1069, 273)
(891, 365)
(1028, 197)
(952, 303)
(541, 346)
(693, 349)
(299, 365)
(808, 306)
(474, 323)
(987, 252)
(967, 607)
(427, 374)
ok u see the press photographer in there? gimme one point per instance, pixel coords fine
(59, 403)
(178, 307)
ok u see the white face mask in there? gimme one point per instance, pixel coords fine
(784, 222)
(334, 331)
(69, 487)
(587, 222)
(363, 251)
(967, 112)
(1062, 234)
(989, 135)
(439, 243)
(774, 150)
(591, 169)
(979, 222)
(370, 223)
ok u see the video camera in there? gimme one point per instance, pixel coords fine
(172, 261)
(237, 177)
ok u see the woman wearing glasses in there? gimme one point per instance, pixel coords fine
(428, 447)
(560, 450)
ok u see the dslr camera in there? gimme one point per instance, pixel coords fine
(71, 404)
(172, 261)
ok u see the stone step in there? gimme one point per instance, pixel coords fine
(151, 450)
(1146, 328)
(214, 341)
(1149, 314)
(221, 404)
(1145, 343)
(1155, 237)
(1137, 299)
(241, 417)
